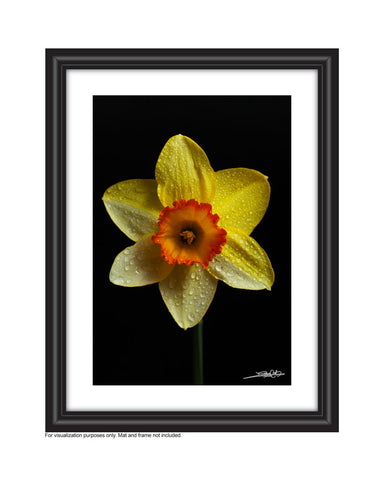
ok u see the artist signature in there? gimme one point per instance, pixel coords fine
(265, 374)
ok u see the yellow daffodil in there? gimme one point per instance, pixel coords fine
(191, 227)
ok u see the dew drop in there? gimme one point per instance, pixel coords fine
(140, 255)
(193, 275)
(191, 317)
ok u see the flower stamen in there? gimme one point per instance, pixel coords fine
(187, 236)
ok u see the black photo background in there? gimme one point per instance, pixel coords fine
(135, 339)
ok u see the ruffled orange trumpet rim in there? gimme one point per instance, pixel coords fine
(189, 233)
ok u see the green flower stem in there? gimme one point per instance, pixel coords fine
(198, 354)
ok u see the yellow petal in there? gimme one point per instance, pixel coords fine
(187, 292)
(134, 207)
(242, 263)
(241, 199)
(139, 265)
(183, 172)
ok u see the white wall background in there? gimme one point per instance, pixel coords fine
(26, 29)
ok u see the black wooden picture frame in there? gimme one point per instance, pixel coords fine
(58, 417)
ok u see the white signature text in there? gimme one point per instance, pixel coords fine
(265, 374)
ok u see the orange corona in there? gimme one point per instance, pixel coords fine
(189, 233)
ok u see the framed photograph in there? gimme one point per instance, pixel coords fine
(192, 240)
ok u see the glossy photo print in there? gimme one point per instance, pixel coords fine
(192, 240)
